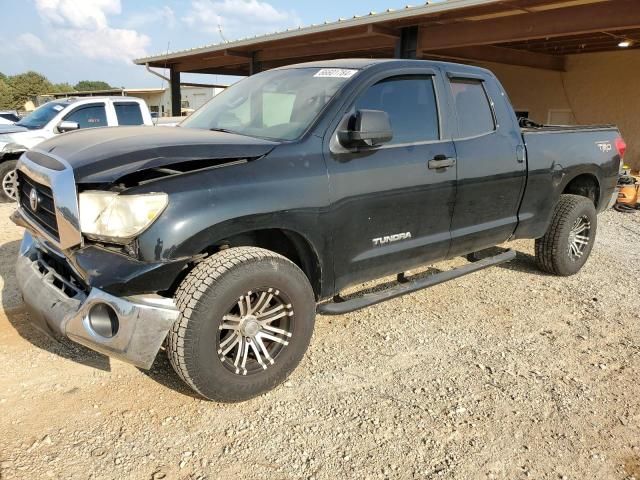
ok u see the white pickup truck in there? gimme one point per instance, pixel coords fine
(60, 116)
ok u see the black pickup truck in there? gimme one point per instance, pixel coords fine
(221, 238)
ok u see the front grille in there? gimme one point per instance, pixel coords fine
(57, 272)
(44, 215)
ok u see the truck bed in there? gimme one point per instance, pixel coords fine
(553, 160)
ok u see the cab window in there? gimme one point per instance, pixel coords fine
(475, 116)
(410, 102)
(128, 113)
(89, 116)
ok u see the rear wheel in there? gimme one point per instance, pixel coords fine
(567, 244)
(246, 319)
(8, 181)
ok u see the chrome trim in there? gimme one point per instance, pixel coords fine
(144, 320)
(63, 186)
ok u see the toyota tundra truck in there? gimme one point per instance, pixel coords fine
(222, 238)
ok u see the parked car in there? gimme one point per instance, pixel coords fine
(61, 116)
(8, 117)
(222, 238)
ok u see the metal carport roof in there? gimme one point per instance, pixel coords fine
(537, 33)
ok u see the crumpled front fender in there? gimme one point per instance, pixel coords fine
(11, 149)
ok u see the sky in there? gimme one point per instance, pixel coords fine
(73, 40)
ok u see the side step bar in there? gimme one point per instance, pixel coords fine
(347, 306)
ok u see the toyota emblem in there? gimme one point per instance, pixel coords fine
(34, 200)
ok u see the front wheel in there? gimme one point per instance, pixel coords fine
(246, 319)
(8, 181)
(566, 245)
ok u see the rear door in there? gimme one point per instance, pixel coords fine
(491, 163)
(390, 211)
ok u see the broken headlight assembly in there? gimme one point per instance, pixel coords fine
(117, 218)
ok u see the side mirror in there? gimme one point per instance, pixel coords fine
(67, 126)
(367, 128)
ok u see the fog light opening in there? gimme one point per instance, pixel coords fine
(103, 320)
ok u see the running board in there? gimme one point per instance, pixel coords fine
(347, 306)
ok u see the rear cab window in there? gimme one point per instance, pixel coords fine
(128, 113)
(473, 107)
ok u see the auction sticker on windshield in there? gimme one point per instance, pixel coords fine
(335, 73)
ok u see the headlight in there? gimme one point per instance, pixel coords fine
(118, 218)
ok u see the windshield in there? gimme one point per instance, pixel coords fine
(277, 104)
(42, 115)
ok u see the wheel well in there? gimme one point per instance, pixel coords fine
(287, 243)
(11, 156)
(585, 185)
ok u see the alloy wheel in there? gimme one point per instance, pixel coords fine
(255, 331)
(10, 185)
(579, 237)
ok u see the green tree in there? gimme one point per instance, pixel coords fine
(62, 88)
(6, 95)
(26, 86)
(84, 85)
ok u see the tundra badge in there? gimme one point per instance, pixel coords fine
(391, 238)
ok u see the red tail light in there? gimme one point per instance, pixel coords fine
(621, 146)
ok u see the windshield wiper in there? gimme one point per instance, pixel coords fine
(224, 130)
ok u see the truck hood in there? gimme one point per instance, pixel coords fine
(11, 128)
(103, 155)
(14, 138)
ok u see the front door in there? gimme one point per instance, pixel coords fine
(391, 208)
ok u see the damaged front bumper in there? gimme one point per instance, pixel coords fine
(131, 328)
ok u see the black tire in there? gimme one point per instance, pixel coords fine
(553, 250)
(5, 169)
(210, 291)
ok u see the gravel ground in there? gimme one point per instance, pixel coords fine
(507, 373)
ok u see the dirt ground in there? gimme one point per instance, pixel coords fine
(504, 374)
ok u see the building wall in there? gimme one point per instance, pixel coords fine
(160, 100)
(532, 89)
(195, 97)
(604, 88)
(596, 88)
(153, 99)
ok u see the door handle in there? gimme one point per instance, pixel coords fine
(441, 161)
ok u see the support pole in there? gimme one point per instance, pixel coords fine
(254, 65)
(407, 44)
(176, 103)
